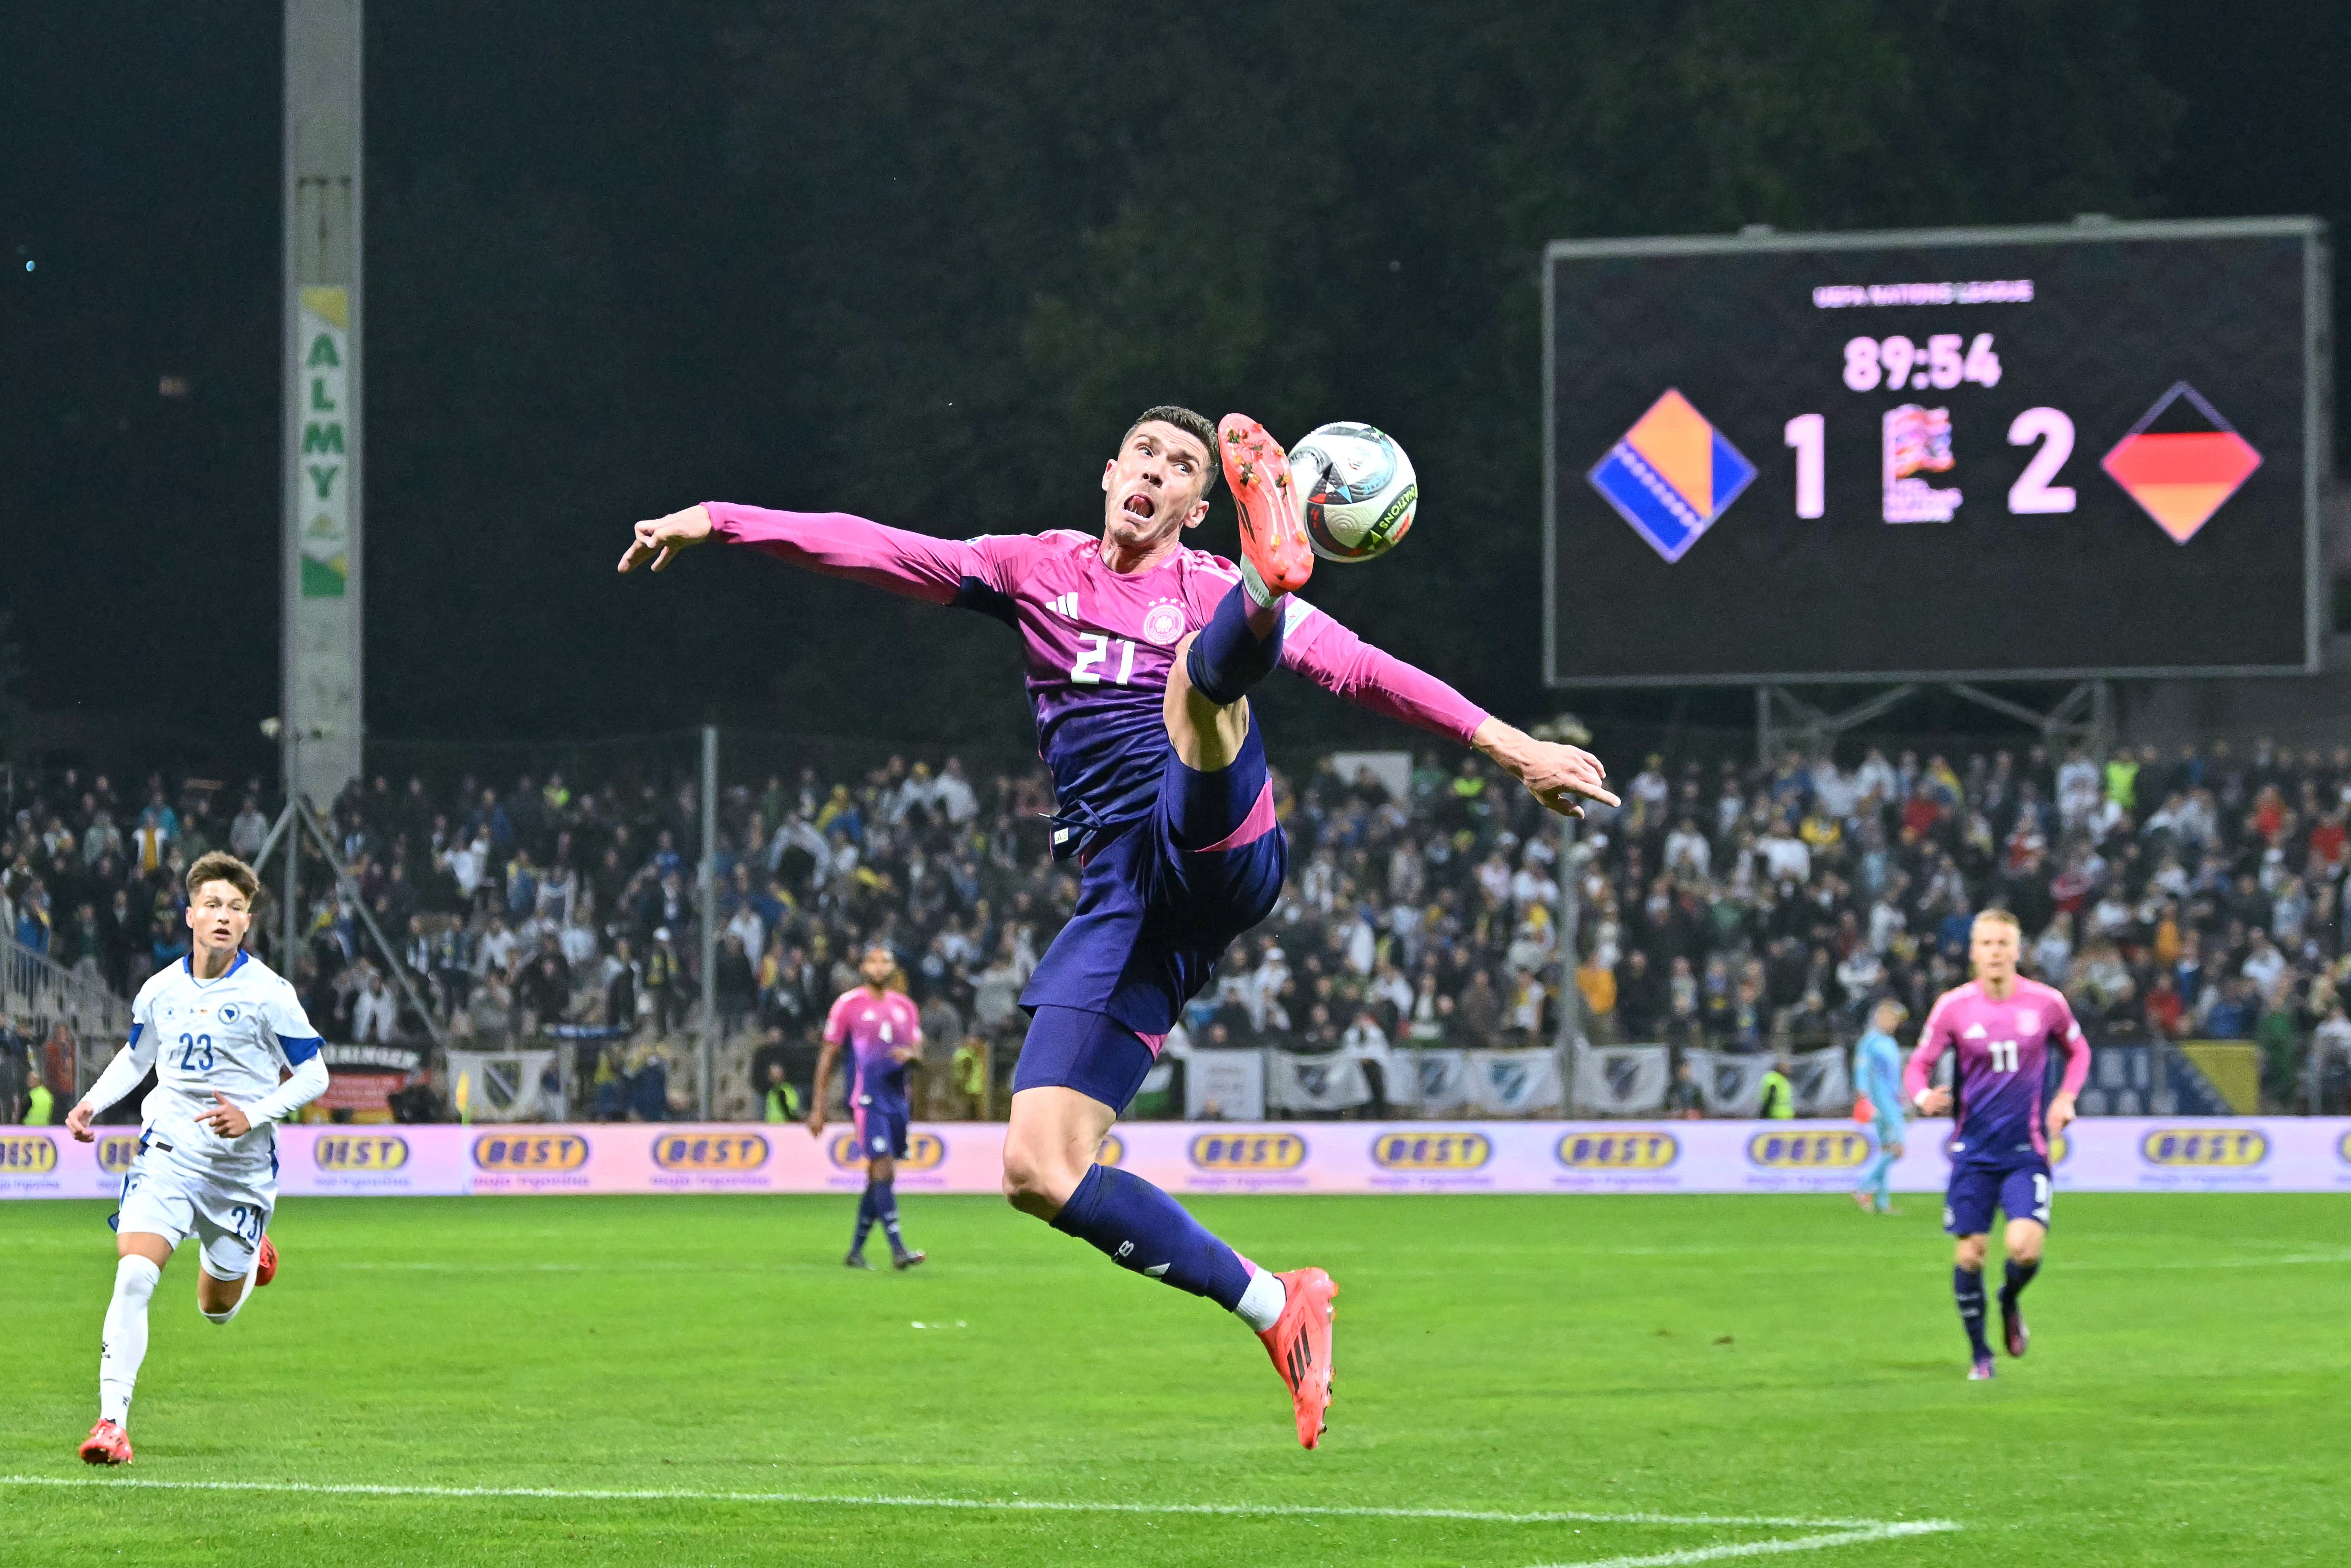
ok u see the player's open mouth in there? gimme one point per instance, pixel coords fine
(1141, 506)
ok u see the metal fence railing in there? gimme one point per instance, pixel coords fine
(37, 994)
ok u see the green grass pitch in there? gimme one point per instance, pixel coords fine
(1520, 1381)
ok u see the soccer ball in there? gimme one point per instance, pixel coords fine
(1360, 491)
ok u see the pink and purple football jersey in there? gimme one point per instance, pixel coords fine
(873, 1028)
(1097, 644)
(2003, 1048)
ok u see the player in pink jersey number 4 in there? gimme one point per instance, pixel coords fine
(2002, 1028)
(1139, 656)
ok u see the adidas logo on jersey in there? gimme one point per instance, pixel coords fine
(1973, 1031)
(1064, 604)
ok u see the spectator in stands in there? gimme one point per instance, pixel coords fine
(375, 1014)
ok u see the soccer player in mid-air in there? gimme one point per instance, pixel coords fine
(1140, 655)
(215, 1029)
(1877, 1079)
(884, 1033)
(2003, 1027)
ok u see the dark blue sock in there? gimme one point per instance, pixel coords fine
(864, 1219)
(1228, 658)
(2018, 1276)
(1967, 1286)
(883, 1196)
(1143, 1229)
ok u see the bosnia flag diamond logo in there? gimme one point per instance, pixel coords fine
(1671, 475)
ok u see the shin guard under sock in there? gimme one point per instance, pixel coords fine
(865, 1216)
(124, 1346)
(1968, 1288)
(884, 1195)
(1143, 1229)
(1228, 658)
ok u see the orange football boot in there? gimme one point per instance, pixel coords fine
(1300, 1343)
(1273, 532)
(108, 1444)
(265, 1265)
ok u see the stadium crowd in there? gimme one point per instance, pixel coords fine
(1747, 909)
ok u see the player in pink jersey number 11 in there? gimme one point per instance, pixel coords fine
(2002, 1028)
(1139, 655)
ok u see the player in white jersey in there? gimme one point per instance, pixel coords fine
(216, 1029)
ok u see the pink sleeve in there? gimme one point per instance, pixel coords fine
(839, 545)
(2077, 1051)
(836, 1024)
(1341, 662)
(1934, 1039)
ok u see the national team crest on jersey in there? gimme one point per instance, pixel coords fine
(1164, 623)
(1671, 475)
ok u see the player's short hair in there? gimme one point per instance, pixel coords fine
(222, 866)
(1999, 918)
(1184, 419)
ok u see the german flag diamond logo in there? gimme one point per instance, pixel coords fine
(1671, 475)
(2181, 461)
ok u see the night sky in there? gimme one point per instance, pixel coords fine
(624, 257)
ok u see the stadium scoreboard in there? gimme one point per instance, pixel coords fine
(2063, 452)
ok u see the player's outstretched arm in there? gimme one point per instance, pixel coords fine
(835, 544)
(1341, 662)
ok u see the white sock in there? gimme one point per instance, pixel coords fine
(1260, 1305)
(1253, 585)
(125, 1344)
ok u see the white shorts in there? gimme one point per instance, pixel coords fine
(225, 1206)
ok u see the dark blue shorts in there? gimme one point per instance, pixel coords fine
(880, 1127)
(2019, 1191)
(1161, 898)
(1091, 1052)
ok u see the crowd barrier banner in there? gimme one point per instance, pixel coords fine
(1622, 1079)
(2103, 1155)
(1314, 1082)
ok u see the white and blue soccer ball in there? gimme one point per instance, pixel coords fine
(1360, 491)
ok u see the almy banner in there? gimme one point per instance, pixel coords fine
(2103, 1154)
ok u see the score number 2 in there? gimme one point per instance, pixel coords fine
(2031, 496)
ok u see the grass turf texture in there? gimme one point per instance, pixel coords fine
(1732, 1356)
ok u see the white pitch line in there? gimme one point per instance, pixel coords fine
(1853, 1529)
(1768, 1548)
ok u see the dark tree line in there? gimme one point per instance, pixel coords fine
(923, 261)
